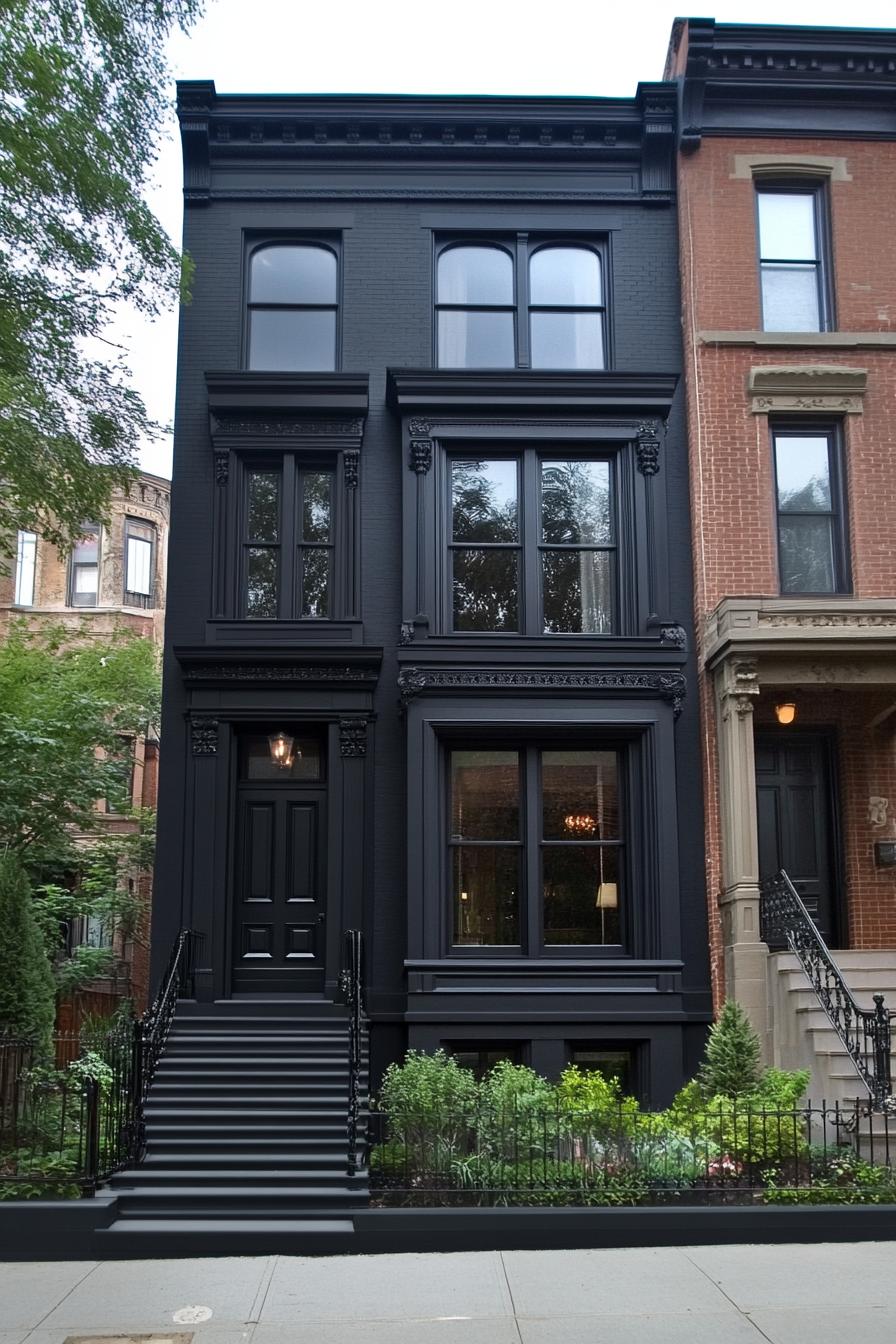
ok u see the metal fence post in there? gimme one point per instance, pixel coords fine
(91, 1137)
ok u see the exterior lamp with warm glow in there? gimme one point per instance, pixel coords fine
(281, 745)
(785, 713)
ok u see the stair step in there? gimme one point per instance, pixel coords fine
(271, 1172)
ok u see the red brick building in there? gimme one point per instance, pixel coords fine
(787, 182)
(113, 579)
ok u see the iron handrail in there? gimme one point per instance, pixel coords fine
(151, 1031)
(866, 1033)
(352, 985)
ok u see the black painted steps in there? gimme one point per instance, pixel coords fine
(246, 1132)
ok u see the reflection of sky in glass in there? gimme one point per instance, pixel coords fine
(475, 275)
(293, 275)
(803, 474)
(484, 500)
(786, 226)
(565, 277)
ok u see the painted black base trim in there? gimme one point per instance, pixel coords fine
(86, 1229)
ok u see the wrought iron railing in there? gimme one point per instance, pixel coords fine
(352, 985)
(151, 1031)
(729, 1151)
(866, 1033)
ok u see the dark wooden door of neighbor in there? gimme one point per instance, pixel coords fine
(795, 807)
(279, 924)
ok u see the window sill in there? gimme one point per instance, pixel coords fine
(843, 340)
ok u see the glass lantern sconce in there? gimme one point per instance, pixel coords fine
(282, 753)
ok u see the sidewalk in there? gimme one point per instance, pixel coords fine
(821, 1294)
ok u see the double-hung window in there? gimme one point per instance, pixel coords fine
(794, 262)
(139, 562)
(84, 570)
(521, 303)
(813, 549)
(26, 560)
(292, 307)
(536, 857)
(531, 544)
(288, 551)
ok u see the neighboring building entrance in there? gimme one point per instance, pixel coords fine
(794, 809)
(279, 891)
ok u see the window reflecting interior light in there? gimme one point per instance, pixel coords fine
(785, 713)
(580, 823)
(282, 753)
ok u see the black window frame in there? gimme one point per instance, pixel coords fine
(630, 786)
(255, 244)
(529, 455)
(292, 468)
(74, 565)
(832, 431)
(817, 189)
(521, 247)
(130, 597)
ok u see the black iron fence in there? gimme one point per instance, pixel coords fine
(866, 1033)
(65, 1114)
(352, 986)
(727, 1154)
(71, 1110)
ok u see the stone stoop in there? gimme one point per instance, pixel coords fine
(802, 1036)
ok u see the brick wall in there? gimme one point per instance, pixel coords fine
(735, 551)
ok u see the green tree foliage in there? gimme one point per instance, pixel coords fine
(105, 889)
(66, 712)
(27, 990)
(733, 1061)
(84, 92)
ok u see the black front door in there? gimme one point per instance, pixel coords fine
(280, 881)
(794, 806)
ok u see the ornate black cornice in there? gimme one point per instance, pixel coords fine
(425, 393)
(313, 411)
(614, 137)
(415, 681)
(739, 79)
(321, 666)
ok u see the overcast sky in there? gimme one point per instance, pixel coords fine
(592, 47)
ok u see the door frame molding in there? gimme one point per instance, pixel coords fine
(827, 736)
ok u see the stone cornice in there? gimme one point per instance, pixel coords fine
(414, 681)
(808, 340)
(312, 411)
(806, 387)
(833, 627)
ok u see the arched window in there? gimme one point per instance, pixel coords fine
(292, 307)
(566, 308)
(475, 308)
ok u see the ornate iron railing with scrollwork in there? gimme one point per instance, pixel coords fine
(866, 1033)
(352, 986)
(151, 1031)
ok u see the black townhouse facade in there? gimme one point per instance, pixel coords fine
(429, 667)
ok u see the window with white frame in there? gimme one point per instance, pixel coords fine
(26, 560)
(139, 562)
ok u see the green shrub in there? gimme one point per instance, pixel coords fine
(27, 989)
(841, 1177)
(429, 1102)
(732, 1064)
(598, 1098)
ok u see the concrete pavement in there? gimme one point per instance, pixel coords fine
(820, 1294)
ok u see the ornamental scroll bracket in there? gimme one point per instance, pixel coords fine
(353, 737)
(739, 687)
(204, 736)
(420, 448)
(649, 439)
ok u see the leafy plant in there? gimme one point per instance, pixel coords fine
(839, 1177)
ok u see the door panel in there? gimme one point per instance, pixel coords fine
(794, 810)
(279, 897)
